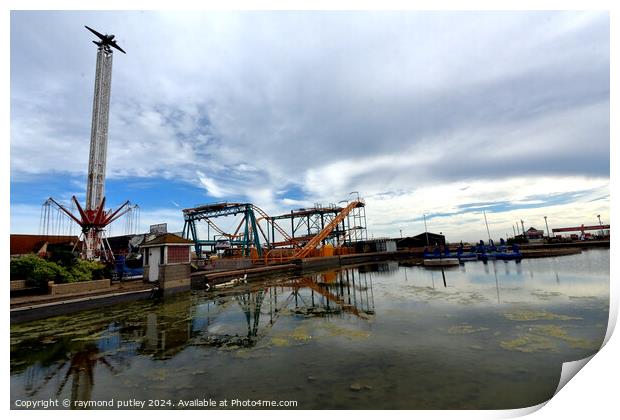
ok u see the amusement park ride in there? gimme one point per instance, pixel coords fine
(94, 218)
(259, 233)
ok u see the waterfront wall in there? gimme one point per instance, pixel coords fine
(79, 287)
(232, 263)
(174, 276)
(18, 284)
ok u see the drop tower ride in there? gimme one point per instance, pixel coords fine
(93, 218)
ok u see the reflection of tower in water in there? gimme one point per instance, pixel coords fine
(79, 368)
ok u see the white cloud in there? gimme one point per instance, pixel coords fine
(210, 185)
(248, 105)
(387, 214)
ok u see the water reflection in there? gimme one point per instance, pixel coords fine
(161, 330)
(72, 360)
(473, 332)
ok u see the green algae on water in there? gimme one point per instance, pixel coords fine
(279, 342)
(541, 338)
(561, 334)
(528, 315)
(529, 343)
(465, 329)
(545, 294)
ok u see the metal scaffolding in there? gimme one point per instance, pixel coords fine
(309, 222)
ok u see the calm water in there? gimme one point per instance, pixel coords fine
(375, 336)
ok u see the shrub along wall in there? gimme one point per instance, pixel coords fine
(38, 271)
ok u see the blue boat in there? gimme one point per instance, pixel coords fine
(513, 254)
(466, 256)
(431, 255)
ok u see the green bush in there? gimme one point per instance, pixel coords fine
(21, 267)
(61, 274)
(38, 271)
(62, 256)
(84, 270)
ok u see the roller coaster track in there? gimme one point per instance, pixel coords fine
(311, 284)
(282, 232)
(220, 231)
(316, 240)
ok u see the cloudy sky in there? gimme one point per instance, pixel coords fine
(444, 114)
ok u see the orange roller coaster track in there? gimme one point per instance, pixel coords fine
(333, 224)
(287, 238)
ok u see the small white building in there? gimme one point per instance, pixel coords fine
(167, 260)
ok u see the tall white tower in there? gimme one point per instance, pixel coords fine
(95, 187)
(93, 219)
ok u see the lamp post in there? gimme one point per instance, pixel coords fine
(425, 229)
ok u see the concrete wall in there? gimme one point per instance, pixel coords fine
(18, 284)
(79, 287)
(174, 275)
(320, 262)
(232, 263)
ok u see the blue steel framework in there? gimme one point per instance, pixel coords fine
(245, 241)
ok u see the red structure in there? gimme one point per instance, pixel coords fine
(93, 223)
(581, 229)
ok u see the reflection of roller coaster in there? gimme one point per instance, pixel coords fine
(166, 330)
(257, 234)
(322, 295)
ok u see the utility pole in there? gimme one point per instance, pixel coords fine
(425, 229)
(485, 222)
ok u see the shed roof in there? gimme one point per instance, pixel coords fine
(167, 239)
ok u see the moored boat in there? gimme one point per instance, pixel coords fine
(441, 262)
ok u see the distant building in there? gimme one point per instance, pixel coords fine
(420, 240)
(375, 245)
(127, 244)
(533, 233)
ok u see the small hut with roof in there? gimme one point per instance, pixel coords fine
(167, 260)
